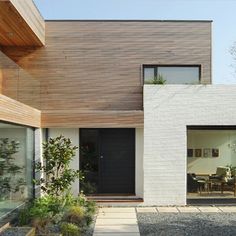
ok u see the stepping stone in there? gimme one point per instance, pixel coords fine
(188, 209)
(167, 210)
(146, 209)
(122, 221)
(117, 209)
(228, 209)
(116, 229)
(116, 215)
(209, 209)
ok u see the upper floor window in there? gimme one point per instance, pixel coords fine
(172, 74)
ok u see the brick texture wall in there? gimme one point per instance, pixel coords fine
(168, 110)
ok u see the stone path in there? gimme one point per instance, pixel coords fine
(115, 221)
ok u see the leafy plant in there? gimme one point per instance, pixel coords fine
(159, 79)
(9, 178)
(75, 215)
(57, 174)
(70, 229)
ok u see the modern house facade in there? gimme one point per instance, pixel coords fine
(86, 80)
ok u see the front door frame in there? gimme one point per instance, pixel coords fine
(99, 161)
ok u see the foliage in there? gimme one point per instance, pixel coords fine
(75, 215)
(159, 79)
(88, 187)
(23, 216)
(70, 229)
(57, 174)
(55, 210)
(9, 179)
(58, 207)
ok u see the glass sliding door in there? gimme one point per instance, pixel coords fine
(16, 159)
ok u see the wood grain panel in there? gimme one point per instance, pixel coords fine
(21, 24)
(1, 79)
(16, 112)
(92, 119)
(97, 65)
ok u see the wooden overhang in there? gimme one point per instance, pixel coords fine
(19, 113)
(21, 24)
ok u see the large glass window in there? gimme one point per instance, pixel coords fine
(16, 156)
(211, 162)
(173, 74)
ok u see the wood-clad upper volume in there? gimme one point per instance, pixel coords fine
(90, 72)
(21, 24)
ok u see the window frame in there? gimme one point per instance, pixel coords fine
(155, 66)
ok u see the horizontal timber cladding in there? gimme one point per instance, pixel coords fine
(92, 119)
(16, 112)
(21, 24)
(97, 65)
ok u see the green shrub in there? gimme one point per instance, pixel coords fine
(75, 215)
(70, 229)
(23, 217)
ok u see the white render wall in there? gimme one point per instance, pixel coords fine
(168, 110)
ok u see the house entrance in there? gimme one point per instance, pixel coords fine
(107, 158)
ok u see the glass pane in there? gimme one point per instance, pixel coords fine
(16, 156)
(180, 75)
(148, 75)
(211, 163)
(89, 156)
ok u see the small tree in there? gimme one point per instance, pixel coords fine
(9, 179)
(57, 174)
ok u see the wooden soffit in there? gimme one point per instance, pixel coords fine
(21, 24)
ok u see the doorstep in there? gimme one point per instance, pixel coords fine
(115, 200)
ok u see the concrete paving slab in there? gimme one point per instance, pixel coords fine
(228, 209)
(117, 209)
(209, 209)
(188, 209)
(122, 221)
(116, 215)
(116, 229)
(146, 209)
(167, 210)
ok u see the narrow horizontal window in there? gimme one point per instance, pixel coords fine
(172, 74)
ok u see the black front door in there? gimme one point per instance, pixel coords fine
(108, 160)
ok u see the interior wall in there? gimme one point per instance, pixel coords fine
(73, 134)
(220, 139)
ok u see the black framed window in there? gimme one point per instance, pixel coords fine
(189, 74)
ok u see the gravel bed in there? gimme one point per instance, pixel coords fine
(187, 224)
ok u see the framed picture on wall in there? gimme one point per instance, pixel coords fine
(189, 152)
(215, 152)
(198, 152)
(206, 152)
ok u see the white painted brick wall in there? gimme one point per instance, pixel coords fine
(168, 110)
